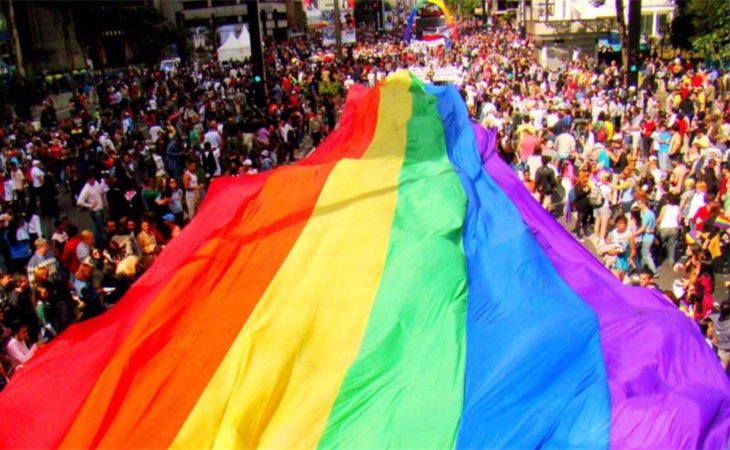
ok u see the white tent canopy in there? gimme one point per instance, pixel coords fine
(235, 48)
(244, 38)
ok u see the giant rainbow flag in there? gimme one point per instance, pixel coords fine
(397, 289)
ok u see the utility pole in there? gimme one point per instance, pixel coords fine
(523, 28)
(634, 38)
(338, 30)
(257, 53)
(15, 41)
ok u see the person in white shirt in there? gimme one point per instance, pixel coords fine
(565, 145)
(36, 183)
(698, 200)
(537, 115)
(284, 128)
(155, 131)
(669, 225)
(9, 192)
(551, 119)
(17, 347)
(18, 185)
(213, 136)
(93, 197)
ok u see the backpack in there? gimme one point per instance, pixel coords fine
(209, 163)
(19, 250)
(545, 180)
(595, 197)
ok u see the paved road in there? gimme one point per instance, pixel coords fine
(666, 274)
(665, 280)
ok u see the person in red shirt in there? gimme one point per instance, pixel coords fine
(700, 292)
(684, 91)
(710, 209)
(698, 80)
(724, 180)
(682, 124)
(68, 258)
(647, 128)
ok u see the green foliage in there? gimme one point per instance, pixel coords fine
(682, 29)
(145, 29)
(467, 6)
(149, 33)
(711, 20)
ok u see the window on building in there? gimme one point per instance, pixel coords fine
(194, 23)
(647, 24)
(545, 9)
(662, 24)
(195, 4)
(215, 3)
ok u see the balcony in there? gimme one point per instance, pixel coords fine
(569, 29)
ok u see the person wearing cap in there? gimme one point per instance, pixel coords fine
(172, 227)
(248, 167)
(266, 162)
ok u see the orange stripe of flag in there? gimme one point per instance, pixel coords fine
(187, 330)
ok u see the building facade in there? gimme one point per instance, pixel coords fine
(656, 15)
(559, 26)
(47, 36)
(212, 14)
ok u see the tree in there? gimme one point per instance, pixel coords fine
(682, 28)
(15, 41)
(712, 23)
(149, 33)
(465, 7)
(145, 29)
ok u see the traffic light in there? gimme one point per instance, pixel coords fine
(257, 57)
(634, 30)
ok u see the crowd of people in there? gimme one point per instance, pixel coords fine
(642, 173)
